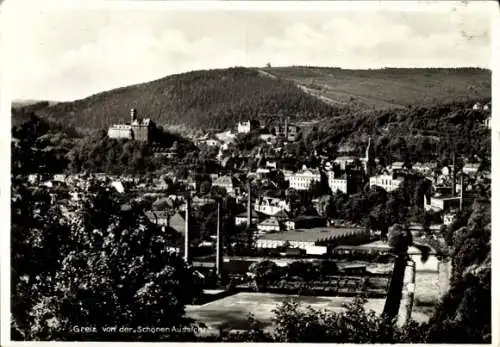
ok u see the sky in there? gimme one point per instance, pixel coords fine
(67, 53)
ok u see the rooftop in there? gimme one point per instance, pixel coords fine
(312, 235)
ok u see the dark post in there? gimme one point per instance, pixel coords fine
(187, 234)
(249, 205)
(220, 246)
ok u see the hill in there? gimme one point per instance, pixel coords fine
(217, 99)
(209, 99)
(388, 88)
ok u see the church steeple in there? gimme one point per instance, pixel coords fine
(369, 158)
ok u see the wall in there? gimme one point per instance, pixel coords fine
(141, 133)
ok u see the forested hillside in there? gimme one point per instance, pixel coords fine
(413, 134)
(217, 99)
(388, 88)
(207, 99)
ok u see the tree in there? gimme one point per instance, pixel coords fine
(205, 187)
(399, 239)
(325, 205)
(295, 323)
(111, 269)
(264, 272)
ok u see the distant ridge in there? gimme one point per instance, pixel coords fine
(217, 99)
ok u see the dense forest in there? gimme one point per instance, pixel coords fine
(217, 99)
(415, 134)
(412, 135)
(49, 147)
(208, 99)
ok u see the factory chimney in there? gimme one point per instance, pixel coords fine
(461, 191)
(249, 205)
(454, 178)
(219, 261)
(187, 235)
(286, 128)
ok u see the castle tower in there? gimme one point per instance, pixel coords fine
(133, 115)
(187, 238)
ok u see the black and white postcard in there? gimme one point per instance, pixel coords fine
(233, 171)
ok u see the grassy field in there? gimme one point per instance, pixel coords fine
(388, 88)
(232, 312)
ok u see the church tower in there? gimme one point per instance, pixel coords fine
(369, 159)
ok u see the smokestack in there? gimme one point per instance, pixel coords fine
(461, 191)
(286, 128)
(187, 234)
(249, 206)
(453, 178)
(220, 245)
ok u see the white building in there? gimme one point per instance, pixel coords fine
(441, 203)
(120, 131)
(487, 122)
(242, 219)
(244, 127)
(271, 224)
(308, 239)
(424, 168)
(388, 182)
(344, 161)
(471, 168)
(271, 206)
(302, 180)
(397, 165)
(337, 183)
(448, 218)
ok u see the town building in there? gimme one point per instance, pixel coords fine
(208, 140)
(247, 126)
(268, 138)
(424, 168)
(227, 182)
(138, 129)
(487, 122)
(471, 168)
(347, 183)
(270, 206)
(314, 240)
(161, 218)
(449, 217)
(388, 182)
(345, 161)
(441, 203)
(242, 219)
(269, 225)
(303, 179)
(291, 135)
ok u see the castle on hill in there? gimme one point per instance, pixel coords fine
(137, 129)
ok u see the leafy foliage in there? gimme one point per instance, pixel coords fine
(96, 267)
(41, 146)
